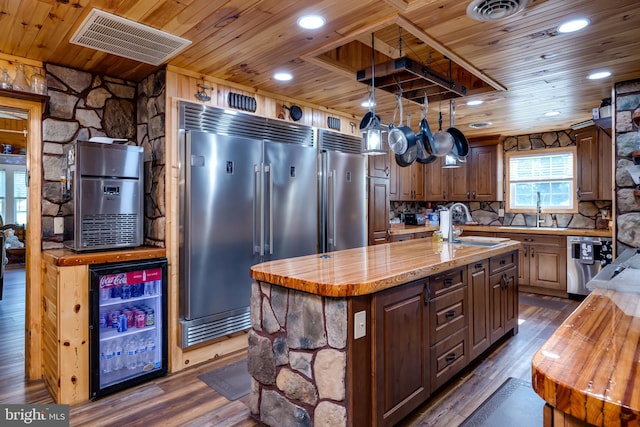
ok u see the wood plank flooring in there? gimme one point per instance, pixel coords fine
(183, 400)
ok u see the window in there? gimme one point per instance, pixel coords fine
(548, 174)
(13, 194)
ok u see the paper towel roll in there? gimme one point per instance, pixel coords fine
(444, 223)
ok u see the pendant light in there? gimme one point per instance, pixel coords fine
(373, 133)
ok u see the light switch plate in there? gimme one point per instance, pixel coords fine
(359, 325)
(58, 225)
(500, 213)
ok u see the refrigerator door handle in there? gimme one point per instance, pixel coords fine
(332, 199)
(269, 170)
(258, 208)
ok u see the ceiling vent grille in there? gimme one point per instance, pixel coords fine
(119, 36)
(492, 10)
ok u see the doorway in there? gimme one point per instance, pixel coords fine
(20, 196)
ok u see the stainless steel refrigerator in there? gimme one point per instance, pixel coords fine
(245, 200)
(343, 190)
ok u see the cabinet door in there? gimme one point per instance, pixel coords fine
(401, 366)
(379, 166)
(457, 183)
(435, 182)
(394, 178)
(378, 210)
(548, 266)
(497, 306)
(419, 184)
(483, 173)
(587, 164)
(479, 337)
(606, 166)
(405, 182)
(510, 294)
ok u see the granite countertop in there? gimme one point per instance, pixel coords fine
(67, 257)
(562, 231)
(588, 367)
(370, 269)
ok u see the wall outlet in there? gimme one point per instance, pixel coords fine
(58, 225)
(359, 325)
(500, 213)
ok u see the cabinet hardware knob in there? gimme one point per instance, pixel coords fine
(525, 251)
(532, 252)
(503, 261)
(474, 195)
(450, 314)
(478, 265)
(451, 357)
(468, 195)
(427, 294)
(448, 282)
(386, 170)
(578, 192)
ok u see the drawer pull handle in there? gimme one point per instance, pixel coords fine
(427, 294)
(450, 314)
(503, 261)
(533, 252)
(478, 265)
(448, 282)
(451, 357)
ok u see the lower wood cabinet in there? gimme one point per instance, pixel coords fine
(401, 367)
(425, 332)
(378, 210)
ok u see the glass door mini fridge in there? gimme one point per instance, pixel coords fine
(127, 324)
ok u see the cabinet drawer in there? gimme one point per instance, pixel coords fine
(502, 262)
(421, 235)
(556, 241)
(448, 357)
(448, 281)
(400, 237)
(448, 314)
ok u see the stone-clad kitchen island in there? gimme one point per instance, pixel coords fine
(364, 336)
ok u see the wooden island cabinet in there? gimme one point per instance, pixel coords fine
(364, 336)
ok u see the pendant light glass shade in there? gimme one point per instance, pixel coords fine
(374, 134)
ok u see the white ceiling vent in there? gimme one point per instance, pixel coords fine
(123, 37)
(491, 10)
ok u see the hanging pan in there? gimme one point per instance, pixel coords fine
(460, 143)
(295, 112)
(424, 140)
(400, 138)
(442, 141)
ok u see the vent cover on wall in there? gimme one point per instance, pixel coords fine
(333, 123)
(242, 102)
(112, 34)
(491, 10)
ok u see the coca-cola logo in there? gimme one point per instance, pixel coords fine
(111, 280)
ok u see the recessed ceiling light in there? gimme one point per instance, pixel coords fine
(475, 102)
(552, 113)
(599, 75)
(573, 25)
(367, 104)
(282, 76)
(311, 22)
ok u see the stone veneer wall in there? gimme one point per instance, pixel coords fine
(151, 135)
(627, 140)
(83, 105)
(486, 213)
(297, 357)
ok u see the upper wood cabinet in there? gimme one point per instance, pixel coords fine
(478, 179)
(379, 166)
(594, 164)
(378, 210)
(406, 183)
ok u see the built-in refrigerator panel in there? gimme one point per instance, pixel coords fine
(291, 200)
(344, 201)
(128, 324)
(221, 187)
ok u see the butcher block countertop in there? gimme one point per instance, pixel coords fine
(371, 269)
(590, 366)
(67, 257)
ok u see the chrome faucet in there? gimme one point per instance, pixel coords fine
(538, 211)
(452, 237)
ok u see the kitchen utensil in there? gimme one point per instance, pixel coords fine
(424, 140)
(295, 112)
(442, 141)
(460, 143)
(408, 157)
(401, 138)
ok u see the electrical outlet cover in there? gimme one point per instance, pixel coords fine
(359, 325)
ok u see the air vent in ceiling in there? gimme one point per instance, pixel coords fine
(480, 125)
(119, 36)
(491, 10)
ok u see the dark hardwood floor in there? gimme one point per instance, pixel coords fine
(181, 399)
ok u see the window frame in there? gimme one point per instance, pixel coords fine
(542, 152)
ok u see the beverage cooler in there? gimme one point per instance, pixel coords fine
(128, 324)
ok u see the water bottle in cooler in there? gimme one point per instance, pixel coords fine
(107, 363)
(118, 355)
(151, 349)
(141, 352)
(130, 354)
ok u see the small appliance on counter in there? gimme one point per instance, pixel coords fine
(414, 219)
(105, 182)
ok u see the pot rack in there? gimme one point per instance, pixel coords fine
(416, 80)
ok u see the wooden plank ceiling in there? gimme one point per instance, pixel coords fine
(520, 66)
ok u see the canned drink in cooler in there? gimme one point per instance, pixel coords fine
(131, 321)
(141, 319)
(105, 294)
(115, 318)
(103, 320)
(126, 292)
(116, 292)
(150, 317)
(122, 323)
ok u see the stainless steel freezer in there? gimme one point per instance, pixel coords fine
(246, 197)
(343, 202)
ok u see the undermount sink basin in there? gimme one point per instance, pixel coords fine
(481, 241)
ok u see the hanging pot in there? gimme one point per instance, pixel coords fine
(368, 120)
(408, 157)
(460, 143)
(295, 112)
(425, 131)
(442, 141)
(400, 138)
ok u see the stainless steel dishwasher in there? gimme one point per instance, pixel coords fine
(586, 256)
